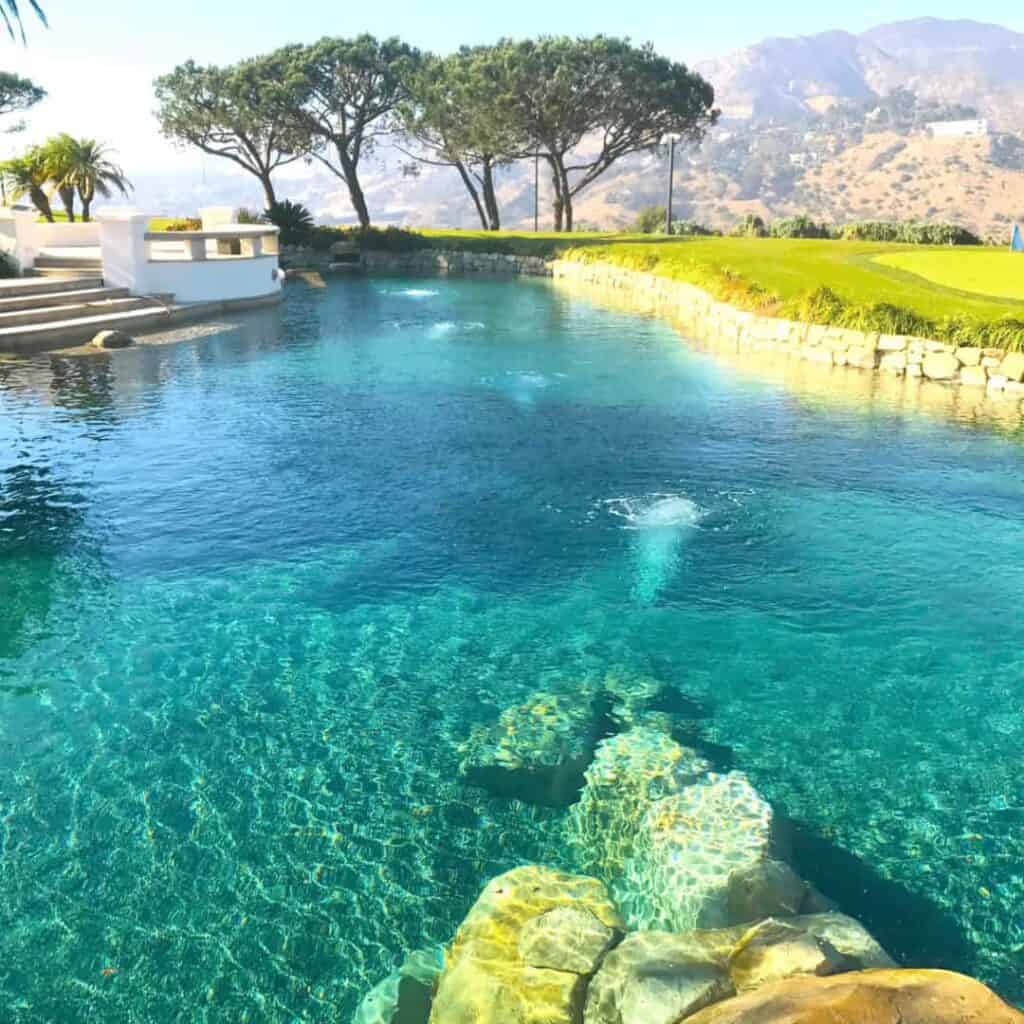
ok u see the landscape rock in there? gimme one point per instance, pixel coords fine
(765, 889)
(656, 978)
(112, 339)
(1012, 367)
(940, 366)
(688, 846)
(773, 950)
(404, 996)
(565, 939)
(486, 979)
(869, 997)
(537, 751)
(974, 376)
(846, 935)
(629, 773)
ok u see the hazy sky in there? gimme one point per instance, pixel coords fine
(98, 60)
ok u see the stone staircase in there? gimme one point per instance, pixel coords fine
(67, 305)
(62, 265)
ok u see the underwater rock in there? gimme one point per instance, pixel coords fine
(773, 950)
(486, 979)
(636, 699)
(112, 339)
(628, 774)
(405, 995)
(765, 889)
(688, 845)
(537, 751)
(872, 997)
(565, 939)
(656, 978)
(846, 935)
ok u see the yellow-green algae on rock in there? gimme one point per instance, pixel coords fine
(486, 978)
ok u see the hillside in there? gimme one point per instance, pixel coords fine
(831, 124)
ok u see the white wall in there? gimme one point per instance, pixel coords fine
(223, 280)
(66, 235)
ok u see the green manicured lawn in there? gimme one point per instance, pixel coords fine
(993, 272)
(785, 268)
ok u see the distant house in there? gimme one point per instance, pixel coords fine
(957, 129)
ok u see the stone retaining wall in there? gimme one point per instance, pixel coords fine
(706, 319)
(450, 261)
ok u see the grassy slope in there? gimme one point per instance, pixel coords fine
(785, 268)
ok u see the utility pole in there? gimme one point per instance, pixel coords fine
(536, 192)
(672, 138)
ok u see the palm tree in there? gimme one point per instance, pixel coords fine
(27, 176)
(11, 16)
(60, 156)
(90, 171)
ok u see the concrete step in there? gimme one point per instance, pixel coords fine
(91, 262)
(62, 296)
(18, 287)
(59, 314)
(76, 330)
(66, 273)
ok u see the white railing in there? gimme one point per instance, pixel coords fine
(226, 263)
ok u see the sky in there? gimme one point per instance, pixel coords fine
(97, 60)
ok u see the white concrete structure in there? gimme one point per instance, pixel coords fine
(223, 262)
(957, 129)
(232, 263)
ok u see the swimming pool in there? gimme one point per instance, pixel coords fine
(256, 590)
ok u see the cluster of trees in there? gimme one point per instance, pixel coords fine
(578, 105)
(67, 167)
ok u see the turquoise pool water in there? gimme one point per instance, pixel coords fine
(255, 589)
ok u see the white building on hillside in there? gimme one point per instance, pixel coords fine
(957, 129)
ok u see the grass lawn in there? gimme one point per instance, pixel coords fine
(993, 272)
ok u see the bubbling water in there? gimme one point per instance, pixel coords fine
(655, 511)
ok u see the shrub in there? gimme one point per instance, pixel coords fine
(247, 216)
(650, 220)
(8, 267)
(909, 233)
(391, 239)
(751, 226)
(184, 224)
(293, 220)
(800, 226)
(691, 229)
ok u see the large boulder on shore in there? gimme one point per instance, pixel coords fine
(526, 949)
(866, 997)
(537, 751)
(658, 978)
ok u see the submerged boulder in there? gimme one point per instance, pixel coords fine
(404, 996)
(520, 957)
(867, 997)
(629, 773)
(537, 751)
(656, 978)
(773, 950)
(766, 888)
(687, 847)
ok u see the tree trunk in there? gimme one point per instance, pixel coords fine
(490, 199)
(67, 198)
(355, 190)
(41, 202)
(85, 210)
(556, 191)
(566, 198)
(471, 189)
(269, 195)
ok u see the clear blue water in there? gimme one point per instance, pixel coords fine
(256, 588)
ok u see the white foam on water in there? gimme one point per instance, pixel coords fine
(661, 522)
(417, 293)
(443, 327)
(655, 511)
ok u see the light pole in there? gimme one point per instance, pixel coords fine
(671, 138)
